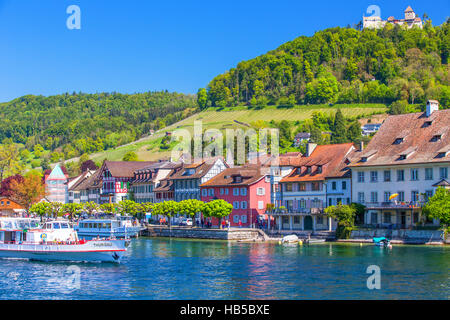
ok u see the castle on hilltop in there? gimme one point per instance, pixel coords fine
(411, 20)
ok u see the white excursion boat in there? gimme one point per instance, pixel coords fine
(120, 228)
(55, 241)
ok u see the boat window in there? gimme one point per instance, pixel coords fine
(64, 226)
(56, 226)
(108, 225)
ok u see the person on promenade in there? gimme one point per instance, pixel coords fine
(240, 223)
(228, 224)
(223, 224)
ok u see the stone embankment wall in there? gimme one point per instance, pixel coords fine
(201, 233)
(406, 236)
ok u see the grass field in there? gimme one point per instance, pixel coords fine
(148, 148)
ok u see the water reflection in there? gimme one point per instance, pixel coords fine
(179, 269)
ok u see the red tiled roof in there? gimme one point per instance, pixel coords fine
(125, 168)
(249, 174)
(330, 157)
(201, 168)
(417, 143)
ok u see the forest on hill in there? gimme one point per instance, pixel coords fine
(342, 65)
(68, 125)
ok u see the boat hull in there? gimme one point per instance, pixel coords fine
(91, 251)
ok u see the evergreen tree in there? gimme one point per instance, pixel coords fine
(339, 130)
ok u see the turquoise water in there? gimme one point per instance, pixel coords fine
(183, 269)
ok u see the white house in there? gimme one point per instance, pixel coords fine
(406, 159)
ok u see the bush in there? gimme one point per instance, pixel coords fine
(343, 232)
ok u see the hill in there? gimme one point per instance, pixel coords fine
(342, 65)
(149, 148)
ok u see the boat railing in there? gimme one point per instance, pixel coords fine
(50, 243)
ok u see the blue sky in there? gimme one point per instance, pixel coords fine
(144, 45)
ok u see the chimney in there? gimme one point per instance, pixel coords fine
(361, 145)
(432, 105)
(310, 148)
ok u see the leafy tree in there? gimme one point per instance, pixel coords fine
(28, 192)
(72, 209)
(190, 208)
(5, 185)
(438, 207)
(130, 156)
(202, 98)
(217, 208)
(354, 131)
(91, 207)
(345, 215)
(88, 165)
(9, 160)
(41, 209)
(108, 208)
(167, 209)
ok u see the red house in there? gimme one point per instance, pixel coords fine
(246, 188)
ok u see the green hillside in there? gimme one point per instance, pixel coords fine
(149, 148)
(342, 65)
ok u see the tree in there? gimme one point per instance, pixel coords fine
(108, 208)
(339, 130)
(5, 186)
(167, 209)
(217, 208)
(398, 107)
(9, 160)
(128, 207)
(72, 209)
(202, 98)
(130, 156)
(28, 192)
(354, 131)
(90, 207)
(190, 208)
(438, 207)
(345, 215)
(41, 209)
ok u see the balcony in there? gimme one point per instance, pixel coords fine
(299, 211)
(395, 205)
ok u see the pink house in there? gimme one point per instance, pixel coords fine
(246, 188)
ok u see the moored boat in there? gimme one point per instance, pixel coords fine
(118, 228)
(56, 241)
(382, 242)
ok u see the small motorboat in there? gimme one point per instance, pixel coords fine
(382, 242)
(289, 239)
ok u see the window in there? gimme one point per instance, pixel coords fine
(243, 204)
(387, 195)
(398, 141)
(260, 205)
(428, 194)
(244, 218)
(260, 191)
(302, 186)
(443, 173)
(373, 176)
(344, 185)
(319, 220)
(222, 191)
(235, 191)
(414, 195)
(387, 217)
(333, 185)
(236, 219)
(374, 196)
(302, 203)
(236, 205)
(414, 174)
(360, 176)
(315, 186)
(387, 175)
(428, 173)
(330, 202)
(204, 192)
(401, 196)
(361, 197)
(226, 191)
(243, 191)
(211, 192)
(400, 175)
(288, 187)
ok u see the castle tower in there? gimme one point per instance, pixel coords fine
(409, 14)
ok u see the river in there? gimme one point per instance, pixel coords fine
(159, 268)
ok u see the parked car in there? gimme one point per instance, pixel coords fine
(186, 222)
